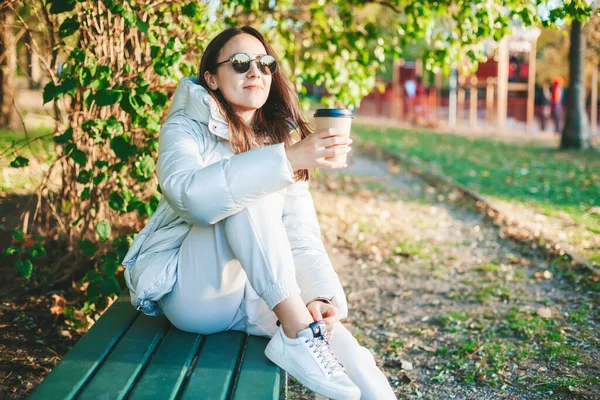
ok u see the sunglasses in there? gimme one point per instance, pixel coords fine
(241, 63)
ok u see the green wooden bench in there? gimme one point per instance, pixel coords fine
(127, 354)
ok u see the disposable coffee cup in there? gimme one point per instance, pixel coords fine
(339, 119)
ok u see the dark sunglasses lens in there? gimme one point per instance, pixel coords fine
(240, 62)
(268, 64)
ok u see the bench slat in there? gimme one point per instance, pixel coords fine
(88, 354)
(117, 375)
(168, 368)
(259, 378)
(213, 373)
(130, 355)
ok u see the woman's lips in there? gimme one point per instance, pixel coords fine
(253, 87)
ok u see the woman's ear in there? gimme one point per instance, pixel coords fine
(210, 80)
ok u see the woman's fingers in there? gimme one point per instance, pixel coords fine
(329, 132)
(316, 314)
(333, 151)
(337, 151)
(335, 141)
(331, 321)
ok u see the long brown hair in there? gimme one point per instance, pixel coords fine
(279, 120)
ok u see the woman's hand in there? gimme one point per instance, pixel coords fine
(314, 150)
(326, 312)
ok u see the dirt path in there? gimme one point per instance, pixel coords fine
(450, 308)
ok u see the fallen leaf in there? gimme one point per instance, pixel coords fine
(544, 312)
(365, 194)
(406, 365)
(394, 169)
(332, 185)
(594, 210)
(59, 304)
(544, 275)
(64, 333)
(426, 348)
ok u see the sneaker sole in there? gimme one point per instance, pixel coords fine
(306, 381)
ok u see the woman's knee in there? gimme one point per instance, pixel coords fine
(269, 207)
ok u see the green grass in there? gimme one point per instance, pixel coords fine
(14, 143)
(477, 348)
(549, 180)
(10, 138)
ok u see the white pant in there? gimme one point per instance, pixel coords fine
(215, 293)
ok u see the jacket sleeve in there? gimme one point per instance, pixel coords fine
(314, 272)
(205, 194)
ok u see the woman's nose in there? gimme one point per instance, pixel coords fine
(254, 70)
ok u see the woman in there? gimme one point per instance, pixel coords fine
(235, 243)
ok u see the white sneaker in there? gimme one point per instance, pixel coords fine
(309, 359)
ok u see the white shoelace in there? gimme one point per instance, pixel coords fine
(325, 356)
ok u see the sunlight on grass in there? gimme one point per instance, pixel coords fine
(40, 151)
(551, 181)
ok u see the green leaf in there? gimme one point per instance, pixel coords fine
(18, 235)
(122, 245)
(37, 251)
(61, 6)
(160, 99)
(25, 267)
(19, 162)
(85, 194)
(103, 230)
(190, 10)
(66, 136)
(49, 92)
(110, 286)
(114, 127)
(11, 250)
(116, 201)
(129, 17)
(122, 148)
(84, 176)
(109, 263)
(79, 157)
(144, 168)
(68, 27)
(100, 83)
(93, 290)
(69, 86)
(100, 178)
(108, 97)
(88, 247)
(91, 276)
(143, 26)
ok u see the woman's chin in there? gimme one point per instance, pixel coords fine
(251, 105)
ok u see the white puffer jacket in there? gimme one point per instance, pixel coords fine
(203, 182)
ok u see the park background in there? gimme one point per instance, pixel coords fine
(465, 231)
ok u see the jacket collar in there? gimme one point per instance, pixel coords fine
(195, 102)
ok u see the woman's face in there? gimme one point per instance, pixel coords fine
(247, 91)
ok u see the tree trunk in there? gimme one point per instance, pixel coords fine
(576, 132)
(33, 64)
(8, 67)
